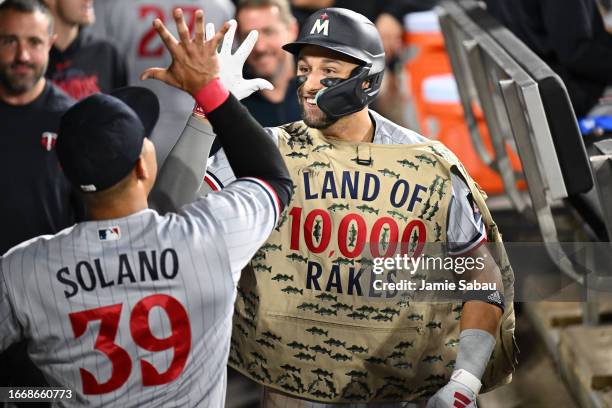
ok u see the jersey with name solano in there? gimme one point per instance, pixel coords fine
(137, 311)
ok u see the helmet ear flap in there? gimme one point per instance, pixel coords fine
(375, 81)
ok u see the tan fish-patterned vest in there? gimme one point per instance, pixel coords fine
(304, 323)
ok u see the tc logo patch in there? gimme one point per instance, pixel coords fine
(321, 25)
(109, 234)
(47, 140)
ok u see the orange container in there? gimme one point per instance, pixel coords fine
(426, 43)
(436, 101)
(442, 107)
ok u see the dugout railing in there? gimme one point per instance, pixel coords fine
(527, 108)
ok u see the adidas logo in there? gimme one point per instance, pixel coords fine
(495, 297)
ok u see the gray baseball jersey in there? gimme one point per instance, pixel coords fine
(137, 311)
(128, 25)
(465, 228)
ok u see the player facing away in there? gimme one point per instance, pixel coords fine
(131, 308)
(308, 325)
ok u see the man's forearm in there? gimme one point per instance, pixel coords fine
(480, 318)
(249, 149)
(187, 163)
(480, 321)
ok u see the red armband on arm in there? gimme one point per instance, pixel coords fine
(210, 97)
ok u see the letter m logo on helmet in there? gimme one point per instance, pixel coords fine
(321, 25)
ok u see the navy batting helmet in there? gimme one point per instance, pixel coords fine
(351, 34)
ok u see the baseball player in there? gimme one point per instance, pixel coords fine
(79, 63)
(131, 308)
(364, 187)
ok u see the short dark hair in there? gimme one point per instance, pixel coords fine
(28, 6)
(283, 7)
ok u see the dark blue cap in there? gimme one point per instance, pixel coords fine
(100, 138)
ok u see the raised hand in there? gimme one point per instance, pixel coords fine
(194, 60)
(232, 64)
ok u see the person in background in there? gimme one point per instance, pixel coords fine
(79, 63)
(276, 26)
(36, 196)
(37, 199)
(571, 39)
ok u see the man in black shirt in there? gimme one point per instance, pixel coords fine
(36, 197)
(569, 36)
(79, 63)
(270, 113)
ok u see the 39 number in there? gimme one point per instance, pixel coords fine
(109, 316)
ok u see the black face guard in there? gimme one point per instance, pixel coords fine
(342, 97)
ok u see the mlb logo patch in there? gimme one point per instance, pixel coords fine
(47, 140)
(109, 234)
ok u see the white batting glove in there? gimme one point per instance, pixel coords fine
(460, 392)
(231, 64)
